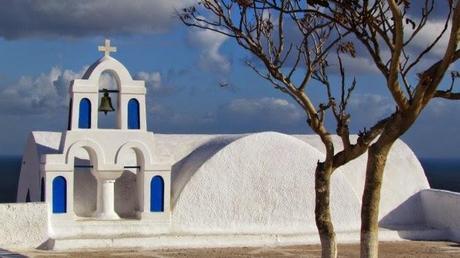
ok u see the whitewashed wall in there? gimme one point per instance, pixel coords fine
(258, 184)
(263, 183)
(23, 225)
(442, 211)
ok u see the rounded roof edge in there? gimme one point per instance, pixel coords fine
(256, 183)
(184, 169)
(107, 63)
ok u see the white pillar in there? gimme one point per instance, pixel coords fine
(106, 199)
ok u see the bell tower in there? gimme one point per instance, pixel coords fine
(85, 101)
(116, 174)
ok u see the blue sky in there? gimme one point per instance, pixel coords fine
(183, 69)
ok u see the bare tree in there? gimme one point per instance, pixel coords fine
(388, 31)
(410, 96)
(282, 58)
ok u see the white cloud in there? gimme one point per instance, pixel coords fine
(364, 101)
(153, 80)
(236, 116)
(366, 109)
(107, 81)
(359, 65)
(48, 92)
(272, 110)
(363, 63)
(209, 43)
(27, 18)
(159, 83)
(427, 35)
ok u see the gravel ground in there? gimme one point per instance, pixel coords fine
(419, 249)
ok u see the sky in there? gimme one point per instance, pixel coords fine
(197, 81)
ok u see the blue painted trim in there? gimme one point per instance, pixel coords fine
(84, 117)
(157, 189)
(133, 114)
(59, 195)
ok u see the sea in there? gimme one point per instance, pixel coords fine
(441, 173)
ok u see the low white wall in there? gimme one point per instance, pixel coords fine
(442, 211)
(23, 225)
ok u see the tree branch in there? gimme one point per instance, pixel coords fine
(447, 95)
(398, 38)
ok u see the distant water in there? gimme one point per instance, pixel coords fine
(9, 172)
(441, 173)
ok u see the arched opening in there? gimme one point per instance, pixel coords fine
(126, 202)
(157, 186)
(85, 184)
(133, 114)
(84, 119)
(42, 190)
(59, 195)
(127, 186)
(69, 118)
(109, 120)
(28, 195)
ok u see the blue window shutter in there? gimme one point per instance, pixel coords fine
(157, 187)
(59, 195)
(84, 120)
(133, 114)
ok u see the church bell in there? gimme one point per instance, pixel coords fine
(106, 103)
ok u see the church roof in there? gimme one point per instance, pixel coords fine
(47, 142)
(218, 180)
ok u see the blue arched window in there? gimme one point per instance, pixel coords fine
(133, 114)
(84, 119)
(157, 188)
(59, 195)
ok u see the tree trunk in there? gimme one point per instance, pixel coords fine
(377, 157)
(322, 212)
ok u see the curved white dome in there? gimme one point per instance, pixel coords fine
(260, 183)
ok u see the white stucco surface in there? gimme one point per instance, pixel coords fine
(403, 178)
(259, 185)
(284, 163)
(442, 211)
(38, 143)
(23, 225)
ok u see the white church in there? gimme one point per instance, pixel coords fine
(127, 187)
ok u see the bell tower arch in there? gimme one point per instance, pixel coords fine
(131, 110)
(109, 96)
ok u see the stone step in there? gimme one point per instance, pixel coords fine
(171, 241)
(107, 228)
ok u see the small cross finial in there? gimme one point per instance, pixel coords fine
(107, 48)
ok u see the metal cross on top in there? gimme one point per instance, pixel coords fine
(107, 48)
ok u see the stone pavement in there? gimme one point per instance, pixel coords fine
(419, 249)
